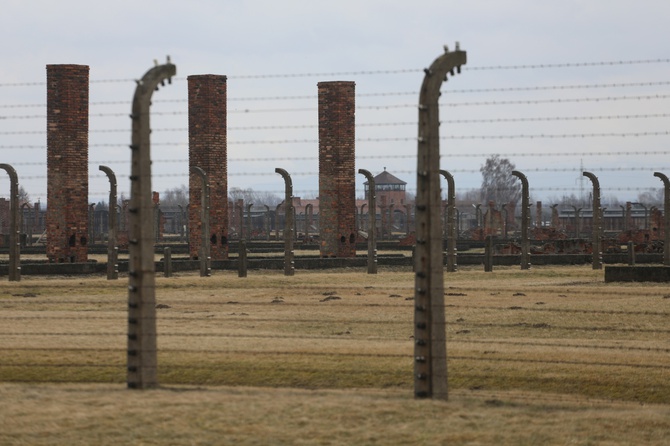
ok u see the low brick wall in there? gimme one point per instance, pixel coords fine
(647, 273)
(652, 270)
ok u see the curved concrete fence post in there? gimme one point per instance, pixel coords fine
(430, 347)
(525, 220)
(204, 257)
(14, 227)
(451, 221)
(666, 217)
(289, 268)
(372, 221)
(112, 249)
(142, 352)
(596, 227)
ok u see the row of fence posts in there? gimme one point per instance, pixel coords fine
(430, 356)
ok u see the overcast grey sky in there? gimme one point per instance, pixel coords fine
(560, 78)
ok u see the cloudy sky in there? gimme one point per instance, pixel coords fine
(555, 86)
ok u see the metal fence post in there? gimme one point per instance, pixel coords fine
(430, 349)
(142, 355)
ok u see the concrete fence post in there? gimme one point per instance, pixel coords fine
(248, 231)
(525, 220)
(488, 254)
(14, 226)
(451, 221)
(142, 354)
(289, 268)
(631, 253)
(372, 217)
(112, 249)
(596, 229)
(666, 217)
(167, 262)
(430, 347)
(242, 259)
(204, 256)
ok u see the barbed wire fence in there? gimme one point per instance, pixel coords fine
(218, 341)
(67, 356)
(615, 127)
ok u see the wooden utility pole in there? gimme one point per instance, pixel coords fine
(430, 349)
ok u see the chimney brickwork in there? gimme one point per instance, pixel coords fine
(207, 134)
(67, 163)
(337, 153)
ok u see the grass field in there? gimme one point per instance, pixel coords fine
(552, 355)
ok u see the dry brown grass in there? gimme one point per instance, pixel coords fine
(546, 356)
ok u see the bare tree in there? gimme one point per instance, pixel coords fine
(24, 197)
(498, 183)
(654, 197)
(175, 196)
(258, 198)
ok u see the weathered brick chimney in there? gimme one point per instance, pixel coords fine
(67, 163)
(207, 135)
(337, 154)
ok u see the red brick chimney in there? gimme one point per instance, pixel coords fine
(337, 154)
(207, 136)
(67, 163)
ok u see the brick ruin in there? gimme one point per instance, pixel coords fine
(337, 188)
(67, 163)
(207, 135)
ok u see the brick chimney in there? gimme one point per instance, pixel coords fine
(337, 153)
(67, 163)
(207, 136)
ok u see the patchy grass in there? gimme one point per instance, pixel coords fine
(108, 415)
(552, 355)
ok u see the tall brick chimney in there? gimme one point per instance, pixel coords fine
(207, 136)
(337, 154)
(67, 163)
